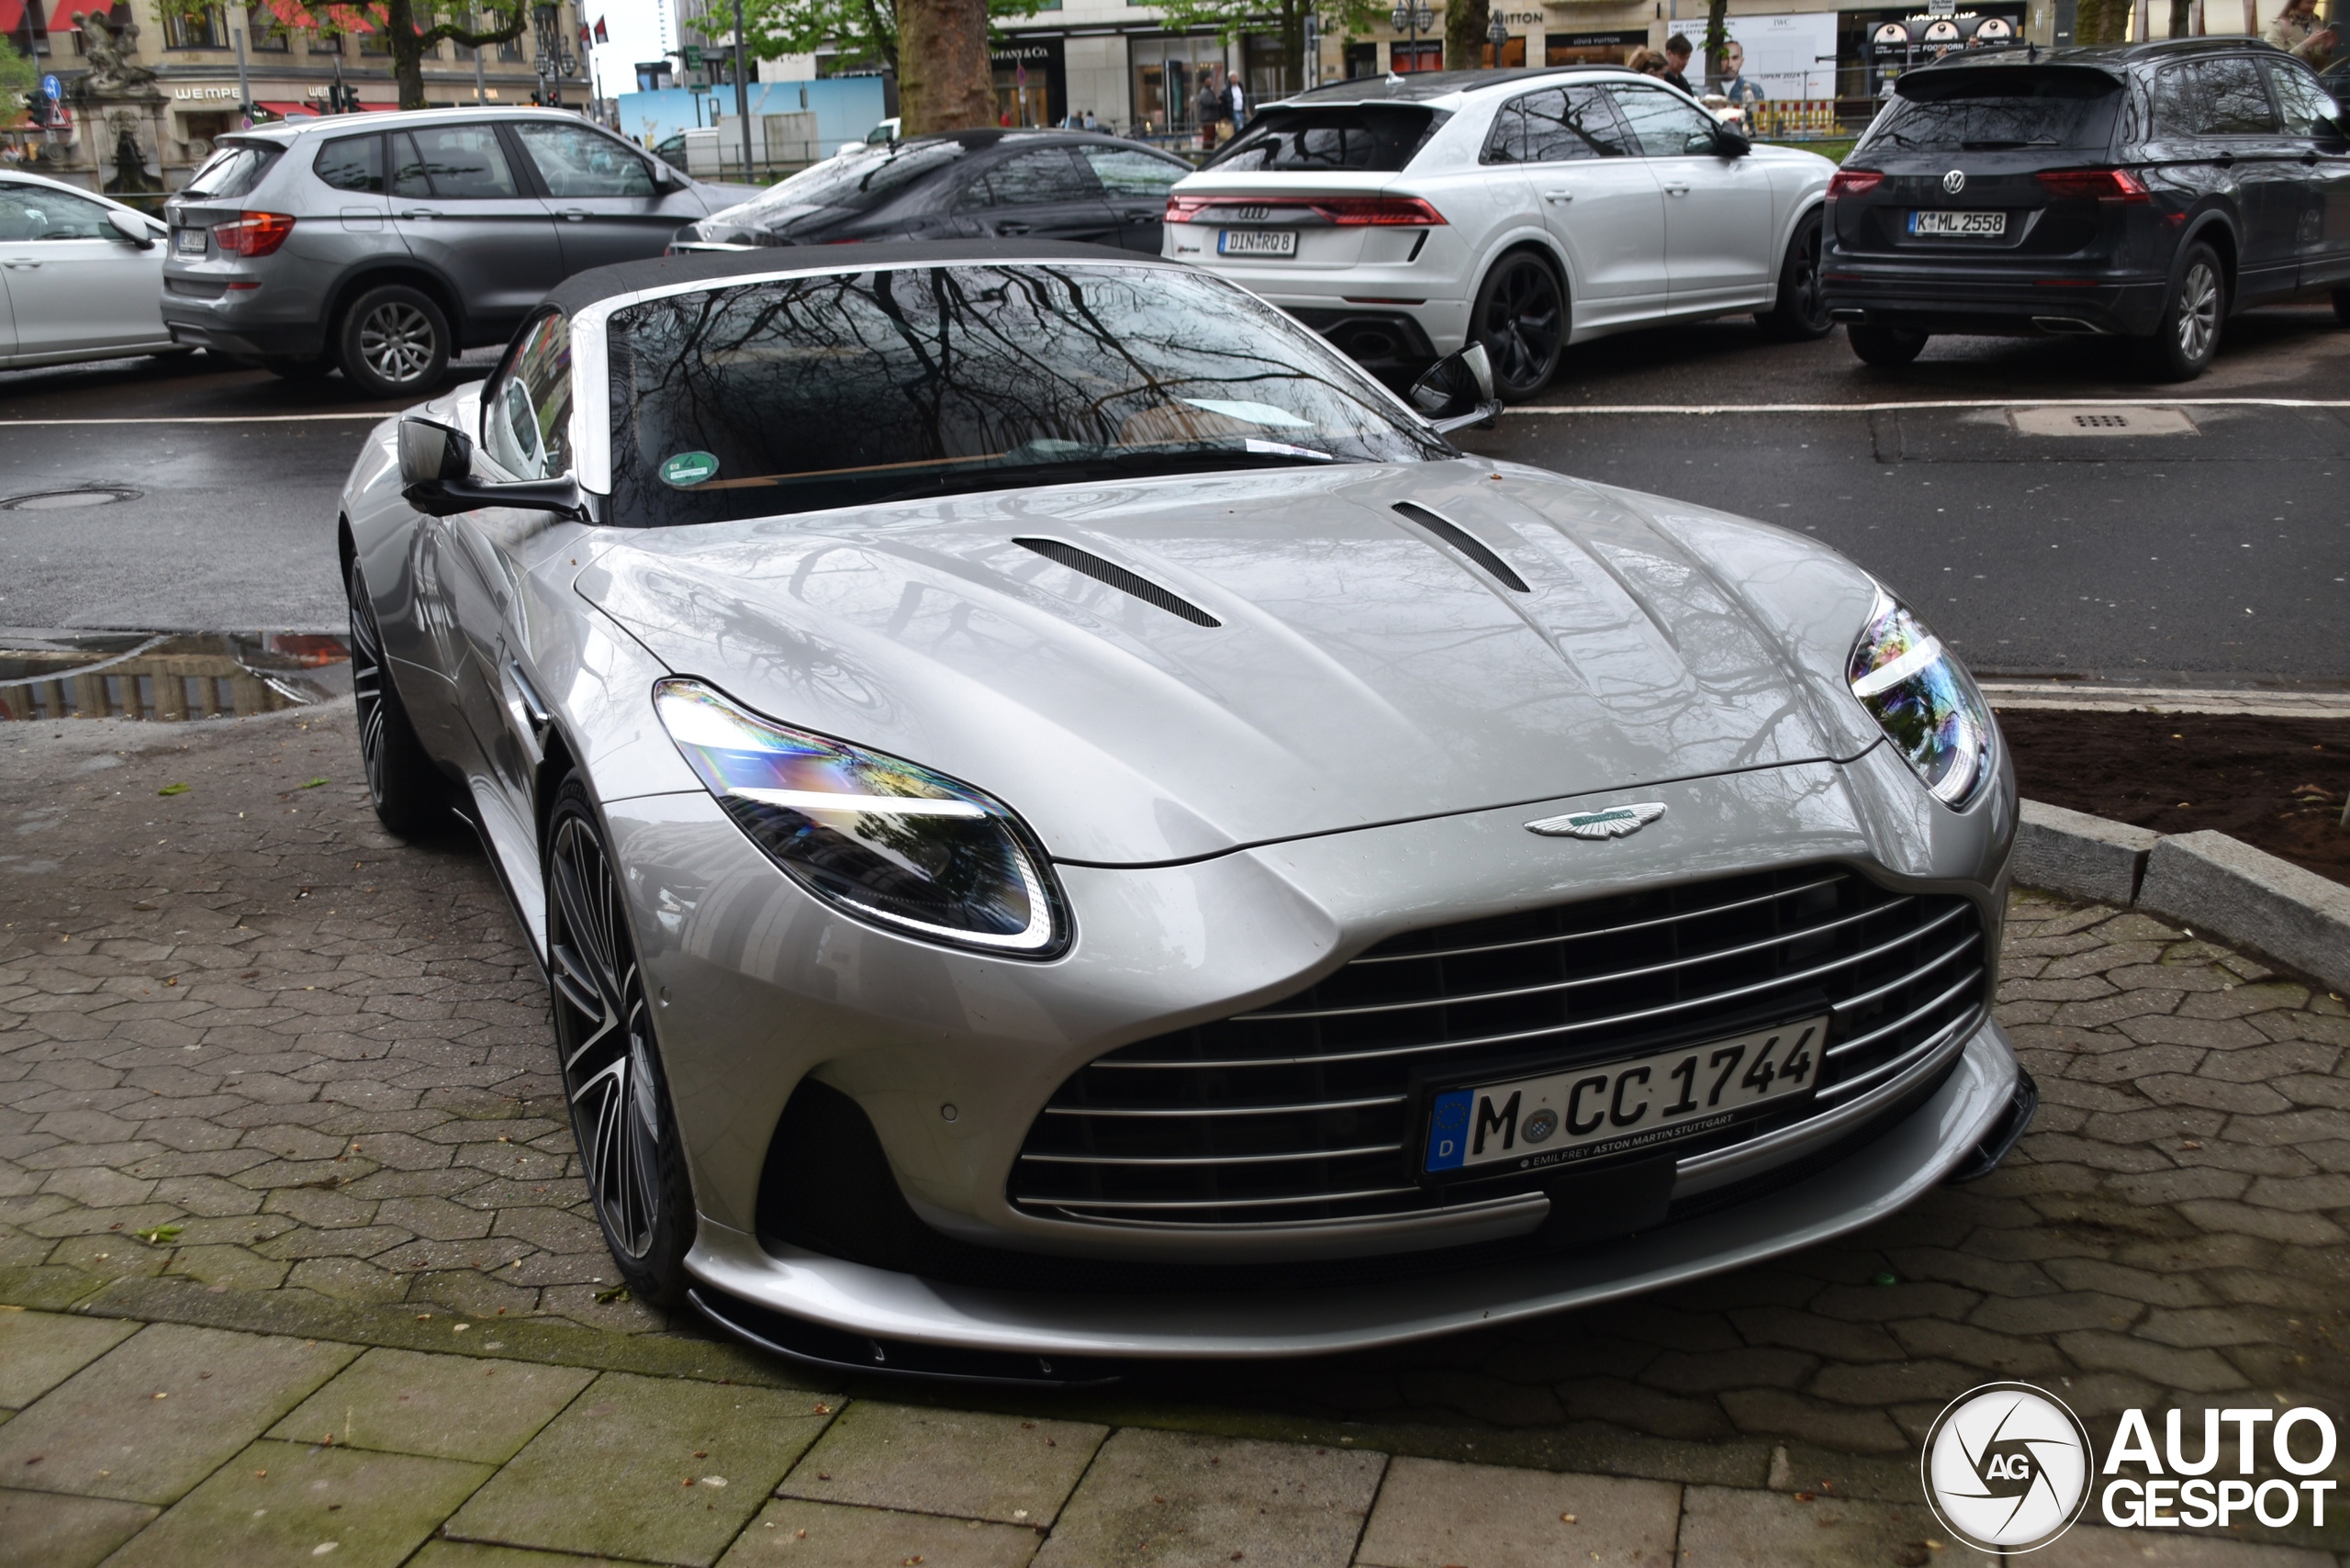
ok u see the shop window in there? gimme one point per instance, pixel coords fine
(1363, 60)
(1513, 54)
(1404, 58)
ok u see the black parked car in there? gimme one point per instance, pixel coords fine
(1041, 185)
(2149, 191)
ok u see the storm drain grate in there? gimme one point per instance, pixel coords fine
(63, 500)
(2113, 419)
(2103, 421)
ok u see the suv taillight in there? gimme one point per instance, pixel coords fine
(1853, 182)
(1347, 212)
(2097, 184)
(253, 233)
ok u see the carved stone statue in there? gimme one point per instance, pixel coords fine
(130, 176)
(112, 48)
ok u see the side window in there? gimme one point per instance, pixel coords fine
(1572, 123)
(1662, 124)
(35, 212)
(1506, 141)
(576, 162)
(1032, 179)
(450, 163)
(526, 410)
(351, 164)
(2213, 97)
(1127, 174)
(2310, 110)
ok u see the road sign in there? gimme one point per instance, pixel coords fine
(53, 87)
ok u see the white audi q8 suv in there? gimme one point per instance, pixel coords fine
(1404, 217)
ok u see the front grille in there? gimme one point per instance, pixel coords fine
(1311, 1109)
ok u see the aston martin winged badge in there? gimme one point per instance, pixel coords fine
(1614, 822)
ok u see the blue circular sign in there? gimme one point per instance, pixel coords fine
(52, 87)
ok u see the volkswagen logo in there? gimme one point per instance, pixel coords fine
(2006, 1467)
(1954, 182)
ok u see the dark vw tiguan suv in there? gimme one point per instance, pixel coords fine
(2147, 190)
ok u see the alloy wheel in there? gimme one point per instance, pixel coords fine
(397, 342)
(1521, 327)
(605, 1037)
(367, 685)
(1809, 305)
(2199, 311)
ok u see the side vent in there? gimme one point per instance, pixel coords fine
(1118, 577)
(1461, 539)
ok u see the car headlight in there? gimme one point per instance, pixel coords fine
(884, 839)
(1924, 699)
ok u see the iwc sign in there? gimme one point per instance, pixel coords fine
(2006, 1468)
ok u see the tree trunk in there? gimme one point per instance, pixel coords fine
(1292, 25)
(2180, 19)
(2100, 21)
(407, 53)
(1465, 22)
(943, 80)
(1716, 44)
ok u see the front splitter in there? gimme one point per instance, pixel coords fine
(851, 1303)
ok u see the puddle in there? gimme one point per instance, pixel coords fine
(173, 676)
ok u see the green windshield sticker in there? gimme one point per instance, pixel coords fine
(688, 468)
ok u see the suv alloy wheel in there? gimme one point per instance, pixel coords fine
(394, 343)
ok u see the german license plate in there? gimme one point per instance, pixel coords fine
(1561, 1118)
(1256, 242)
(1972, 225)
(188, 242)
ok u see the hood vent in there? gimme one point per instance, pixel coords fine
(1461, 539)
(1118, 577)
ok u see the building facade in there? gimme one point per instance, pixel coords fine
(194, 96)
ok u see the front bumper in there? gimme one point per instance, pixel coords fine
(1942, 299)
(767, 1291)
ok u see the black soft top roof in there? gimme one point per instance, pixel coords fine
(582, 289)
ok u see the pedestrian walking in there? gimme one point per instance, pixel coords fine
(2297, 30)
(1239, 95)
(1677, 50)
(1209, 106)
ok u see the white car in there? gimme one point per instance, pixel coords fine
(1404, 217)
(80, 276)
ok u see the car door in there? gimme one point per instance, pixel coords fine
(606, 204)
(1596, 196)
(1721, 228)
(2313, 122)
(2214, 117)
(460, 207)
(1044, 193)
(76, 283)
(1135, 183)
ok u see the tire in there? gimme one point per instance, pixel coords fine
(2187, 332)
(401, 780)
(630, 1150)
(1521, 317)
(393, 343)
(300, 369)
(1801, 314)
(1887, 348)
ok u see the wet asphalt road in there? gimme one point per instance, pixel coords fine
(2215, 555)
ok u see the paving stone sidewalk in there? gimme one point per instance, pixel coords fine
(266, 1069)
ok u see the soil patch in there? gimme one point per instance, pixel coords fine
(2277, 784)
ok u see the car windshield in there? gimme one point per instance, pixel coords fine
(852, 185)
(1358, 136)
(1981, 111)
(860, 388)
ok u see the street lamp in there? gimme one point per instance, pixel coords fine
(1497, 35)
(1412, 21)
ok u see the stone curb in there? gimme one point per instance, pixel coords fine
(2221, 886)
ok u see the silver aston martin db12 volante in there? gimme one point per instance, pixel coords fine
(1065, 823)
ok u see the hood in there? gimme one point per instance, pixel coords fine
(1363, 671)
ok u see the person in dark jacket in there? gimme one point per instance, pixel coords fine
(1677, 51)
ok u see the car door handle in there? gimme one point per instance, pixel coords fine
(2309, 157)
(1559, 195)
(574, 214)
(18, 265)
(1676, 190)
(417, 212)
(1012, 229)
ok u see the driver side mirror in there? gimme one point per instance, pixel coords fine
(131, 227)
(1457, 391)
(1720, 142)
(667, 179)
(437, 478)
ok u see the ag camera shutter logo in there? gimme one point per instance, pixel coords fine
(2006, 1467)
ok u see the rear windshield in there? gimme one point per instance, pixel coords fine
(231, 172)
(1984, 111)
(857, 389)
(1379, 136)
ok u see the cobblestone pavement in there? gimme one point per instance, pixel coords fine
(262, 1068)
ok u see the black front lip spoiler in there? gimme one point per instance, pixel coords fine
(837, 1350)
(2023, 1104)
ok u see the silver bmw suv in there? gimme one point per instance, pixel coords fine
(382, 244)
